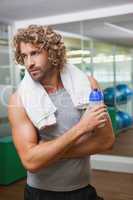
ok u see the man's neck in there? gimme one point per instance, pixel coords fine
(52, 82)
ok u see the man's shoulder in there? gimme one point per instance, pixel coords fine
(14, 99)
(16, 111)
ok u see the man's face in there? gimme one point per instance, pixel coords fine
(35, 60)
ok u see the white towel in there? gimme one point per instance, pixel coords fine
(37, 103)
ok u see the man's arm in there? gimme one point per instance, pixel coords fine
(35, 155)
(101, 140)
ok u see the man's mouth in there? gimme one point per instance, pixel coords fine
(34, 72)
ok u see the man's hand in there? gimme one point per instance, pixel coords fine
(93, 118)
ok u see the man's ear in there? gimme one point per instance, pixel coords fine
(94, 84)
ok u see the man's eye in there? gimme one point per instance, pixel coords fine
(35, 53)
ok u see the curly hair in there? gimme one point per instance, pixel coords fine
(42, 37)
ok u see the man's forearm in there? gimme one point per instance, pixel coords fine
(94, 144)
(100, 140)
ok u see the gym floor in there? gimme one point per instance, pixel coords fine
(112, 186)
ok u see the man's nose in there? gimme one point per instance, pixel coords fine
(30, 63)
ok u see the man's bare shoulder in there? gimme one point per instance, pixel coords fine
(16, 111)
(14, 99)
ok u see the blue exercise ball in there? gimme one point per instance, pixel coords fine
(127, 120)
(123, 120)
(119, 120)
(109, 96)
(123, 93)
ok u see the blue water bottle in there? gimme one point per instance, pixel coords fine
(96, 97)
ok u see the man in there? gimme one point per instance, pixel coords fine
(57, 156)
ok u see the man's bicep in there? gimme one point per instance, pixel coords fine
(23, 132)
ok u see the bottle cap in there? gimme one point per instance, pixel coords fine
(96, 95)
